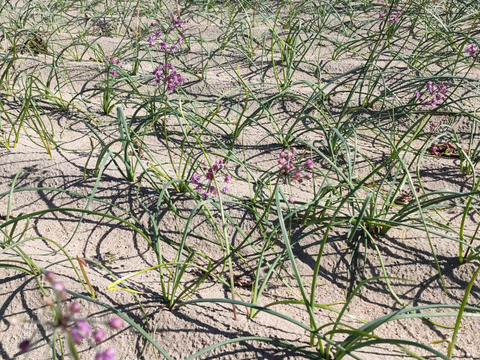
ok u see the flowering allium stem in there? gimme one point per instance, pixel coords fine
(207, 188)
(292, 169)
(435, 94)
(166, 73)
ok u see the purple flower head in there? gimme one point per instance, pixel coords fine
(108, 354)
(209, 175)
(110, 62)
(50, 275)
(435, 94)
(207, 184)
(24, 346)
(75, 307)
(98, 335)
(213, 190)
(151, 40)
(77, 337)
(83, 327)
(291, 168)
(58, 286)
(471, 49)
(195, 178)
(166, 73)
(309, 164)
(393, 17)
(116, 323)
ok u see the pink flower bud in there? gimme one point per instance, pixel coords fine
(309, 164)
(50, 275)
(98, 335)
(24, 346)
(83, 327)
(77, 337)
(108, 354)
(58, 286)
(291, 200)
(75, 307)
(116, 323)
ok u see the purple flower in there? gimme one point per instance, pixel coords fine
(83, 327)
(471, 49)
(108, 354)
(75, 307)
(24, 346)
(77, 337)
(116, 323)
(151, 40)
(309, 164)
(50, 275)
(385, 14)
(98, 335)
(213, 190)
(209, 175)
(208, 188)
(58, 286)
(435, 94)
(109, 61)
(166, 73)
(195, 178)
(290, 168)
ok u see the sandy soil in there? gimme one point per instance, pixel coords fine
(406, 254)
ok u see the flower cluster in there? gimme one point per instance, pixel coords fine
(435, 94)
(472, 50)
(396, 14)
(292, 169)
(166, 73)
(68, 322)
(153, 37)
(112, 62)
(205, 185)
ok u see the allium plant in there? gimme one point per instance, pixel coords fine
(69, 322)
(153, 38)
(292, 169)
(393, 17)
(472, 50)
(111, 65)
(205, 184)
(167, 74)
(434, 95)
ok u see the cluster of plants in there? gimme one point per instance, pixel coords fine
(415, 78)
